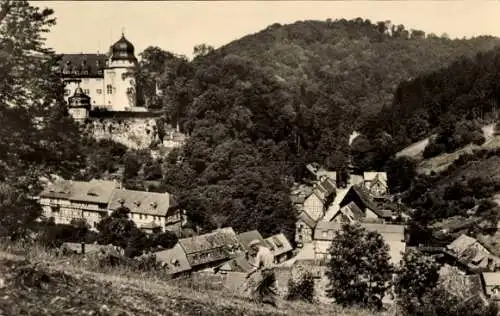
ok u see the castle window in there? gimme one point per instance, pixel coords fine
(109, 89)
(99, 91)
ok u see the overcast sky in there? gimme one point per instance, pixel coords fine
(91, 26)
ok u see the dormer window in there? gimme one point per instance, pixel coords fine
(121, 201)
(137, 203)
(154, 204)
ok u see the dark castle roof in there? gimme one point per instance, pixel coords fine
(122, 50)
(82, 65)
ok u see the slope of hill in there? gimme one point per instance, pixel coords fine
(365, 61)
(50, 287)
(260, 108)
(442, 161)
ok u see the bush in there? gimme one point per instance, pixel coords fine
(303, 289)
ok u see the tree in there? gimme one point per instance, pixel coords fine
(202, 50)
(359, 270)
(27, 96)
(417, 276)
(117, 229)
(400, 173)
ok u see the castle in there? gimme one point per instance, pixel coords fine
(96, 82)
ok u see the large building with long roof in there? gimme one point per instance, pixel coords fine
(107, 79)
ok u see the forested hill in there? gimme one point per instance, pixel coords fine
(363, 60)
(453, 102)
(260, 108)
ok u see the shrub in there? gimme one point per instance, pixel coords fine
(303, 289)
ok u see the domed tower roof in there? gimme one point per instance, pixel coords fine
(122, 50)
(79, 99)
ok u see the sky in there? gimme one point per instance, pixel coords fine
(177, 26)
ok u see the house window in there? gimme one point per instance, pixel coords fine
(67, 92)
(99, 91)
(109, 89)
(140, 216)
(86, 91)
(99, 72)
(325, 234)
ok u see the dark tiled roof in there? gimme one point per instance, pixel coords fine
(220, 238)
(306, 219)
(142, 202)
(94, 191)
(91, 63)
(246, 237)
(174, 260)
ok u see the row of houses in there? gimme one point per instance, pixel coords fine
(66, 200)
(325, 205)
(473, 262)
(221, 250)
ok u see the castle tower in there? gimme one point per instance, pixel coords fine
(79, 105)
(119, 76)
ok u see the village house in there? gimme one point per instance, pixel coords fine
(280, 247)
(470, 252)
(371, 211)
(150, 211)
(246, 237)
(375, 184)
(313, 206)
(209, 250)
(65, 201)
(174, 261)
(394, 236)
(491, 285)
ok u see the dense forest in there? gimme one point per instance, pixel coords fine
(260, 108)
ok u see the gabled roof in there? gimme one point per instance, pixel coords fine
(462, 243)
(384, 229)
(246, 237)
(356, 211)
(279, 244)
(94, 191)
(334, 207)
(306, 219)
(299, 193)
(324, 188)
(142, 202)
(174, 260)
(219, 238)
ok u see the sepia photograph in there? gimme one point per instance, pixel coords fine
(250, 158)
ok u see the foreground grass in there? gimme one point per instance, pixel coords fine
(36, 282)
